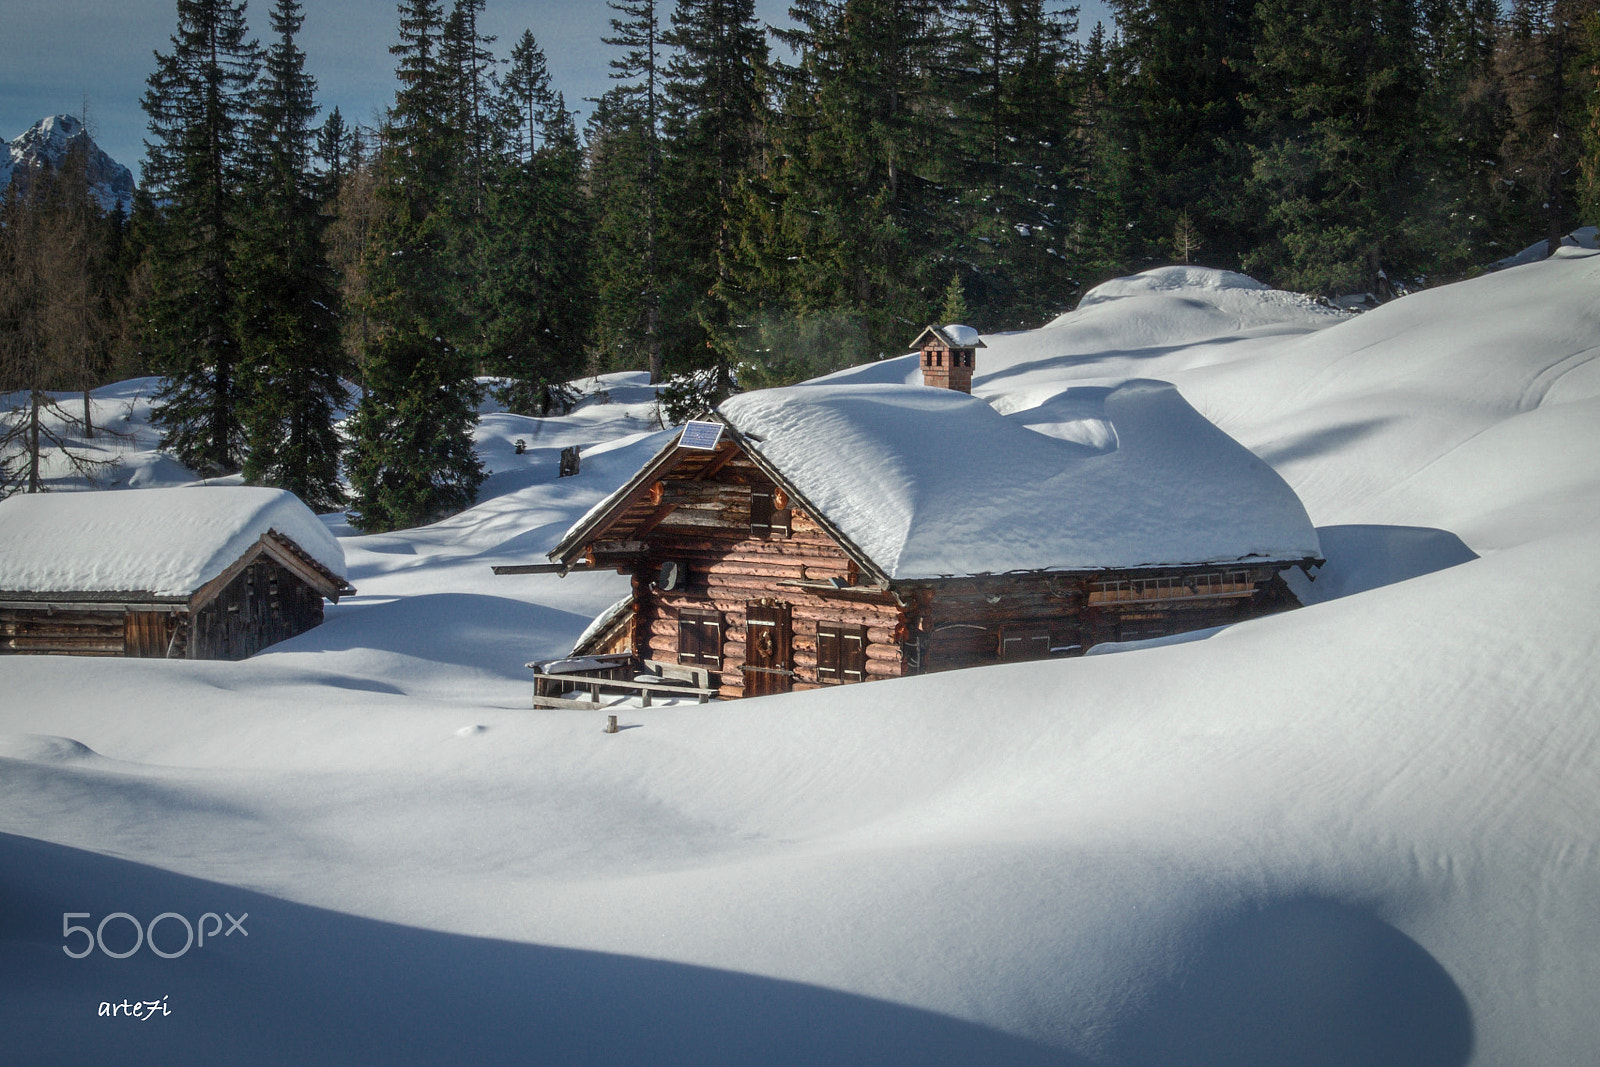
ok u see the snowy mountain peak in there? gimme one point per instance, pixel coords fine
(46, 144)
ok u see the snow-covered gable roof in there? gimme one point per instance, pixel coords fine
(952, 336)
(162, 542)
(931, 482)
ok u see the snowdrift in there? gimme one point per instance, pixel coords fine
(1357, 833)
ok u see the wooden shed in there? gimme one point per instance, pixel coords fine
(829, 534)
(194, 573)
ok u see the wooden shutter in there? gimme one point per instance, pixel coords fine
(700, 638)
(827, 652)
(760, 512)
(853, 653)
(841, 652)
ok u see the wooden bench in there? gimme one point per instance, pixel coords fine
(620, 676)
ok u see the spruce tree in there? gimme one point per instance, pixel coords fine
(1184, 124)
(533, 299)
(1589, 163)
(334, 144)
(1104, 238)
(714, 116)
(289, 298)
(412, 458)
(469, 67)
(630, 327)
(1336, 109)
(197, 102)
(1015, 156)
(638, 32)
(858, 217)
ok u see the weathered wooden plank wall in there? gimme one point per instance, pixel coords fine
(263, 605)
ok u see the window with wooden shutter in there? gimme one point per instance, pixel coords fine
(700, 638)
(760, 512)
(769, 513)
(841, 653)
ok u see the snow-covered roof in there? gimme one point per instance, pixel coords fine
(164, 542)
(933, 482)
(952, 336)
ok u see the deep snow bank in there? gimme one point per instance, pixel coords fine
(1360, 832)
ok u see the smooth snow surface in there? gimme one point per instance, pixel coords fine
(1358, 833)
(166, 542)
(932, 482)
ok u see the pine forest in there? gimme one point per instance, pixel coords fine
(325, 303)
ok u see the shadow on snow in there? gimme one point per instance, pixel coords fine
(1303, 981)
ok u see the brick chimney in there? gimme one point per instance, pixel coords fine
(948, 353)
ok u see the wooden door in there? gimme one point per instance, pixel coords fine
(768, 657)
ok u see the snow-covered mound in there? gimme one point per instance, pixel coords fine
(932, 482)
(1356, 833)
(1582, 237)
(1189, 303)
(1179, 316)
(165, 542)
(46, 144)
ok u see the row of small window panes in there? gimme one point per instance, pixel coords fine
(1162, 588)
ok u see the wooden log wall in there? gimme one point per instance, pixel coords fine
(963, 622)
(62, 632)
(708, 531)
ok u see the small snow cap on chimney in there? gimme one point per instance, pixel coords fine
(948, 353)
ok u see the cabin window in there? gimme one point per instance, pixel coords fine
(841, 652)
(761, 513)
(766, 518)
(1024, 643)
(700, 638)
(1145, 590)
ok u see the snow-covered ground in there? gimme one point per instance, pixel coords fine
(1363, 832)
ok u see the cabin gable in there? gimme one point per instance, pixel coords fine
(730, 573)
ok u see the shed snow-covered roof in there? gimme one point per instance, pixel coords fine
(932, 482)
(163, 542)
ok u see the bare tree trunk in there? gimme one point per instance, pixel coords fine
(35, 483)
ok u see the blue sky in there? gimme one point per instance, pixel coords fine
(57, 56)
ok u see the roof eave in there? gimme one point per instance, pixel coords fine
(571, 545)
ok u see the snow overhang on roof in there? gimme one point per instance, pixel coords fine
(921, 484)
(166, 543)
(933, 483)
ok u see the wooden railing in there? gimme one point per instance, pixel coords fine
(563, 683)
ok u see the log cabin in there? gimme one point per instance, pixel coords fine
(194, 573)
(828, 534)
